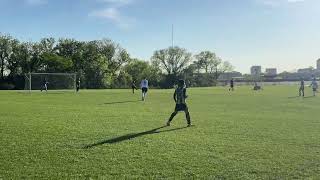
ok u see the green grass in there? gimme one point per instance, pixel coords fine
(109, 134)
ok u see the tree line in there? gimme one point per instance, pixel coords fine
(105, 64)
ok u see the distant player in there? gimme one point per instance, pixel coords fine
(301, 89)
(314, 86)
(44, 85)
(133, 86)
(231, 85)
(256, 87)
(144, 88)
(180, 96)
(78, 85)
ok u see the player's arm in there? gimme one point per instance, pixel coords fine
(175, 96)
(185, 93)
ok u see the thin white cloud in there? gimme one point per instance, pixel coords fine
(118, 2)
(275, 3)
(294, 1)
(36, 2)
(112, 13)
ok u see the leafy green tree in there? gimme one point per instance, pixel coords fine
(5, 52)
(48, 45)
(95, 67)
(205, 60)
(218, 67)
(138, 70)
(15, 61)
(173, 61)
(72, 49)
(114, 55)
(55, 63)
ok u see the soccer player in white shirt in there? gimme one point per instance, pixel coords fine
(314, 85)
(144, 88)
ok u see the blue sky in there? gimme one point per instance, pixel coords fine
(272, 33)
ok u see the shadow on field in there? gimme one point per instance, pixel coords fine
(120, 102)
(293, 97)
(49, 92)
(309, 97)
(131, 136)
(306, 97)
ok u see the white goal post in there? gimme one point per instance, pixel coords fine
(55, 81)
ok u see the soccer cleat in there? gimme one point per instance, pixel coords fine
(189, 125)
(168, 123)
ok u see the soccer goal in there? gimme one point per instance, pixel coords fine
(54, 81)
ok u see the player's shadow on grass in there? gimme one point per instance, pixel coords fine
(120, 102)
(131, 136)
(293, 97)
(306, 97)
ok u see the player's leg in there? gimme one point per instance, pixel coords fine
(143, 93)
(186, 111)
(300, 91)
(171, 117)
(46, 87)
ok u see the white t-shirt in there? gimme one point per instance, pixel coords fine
(314, 84)
(144, 84)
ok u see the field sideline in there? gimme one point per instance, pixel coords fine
(271, 134)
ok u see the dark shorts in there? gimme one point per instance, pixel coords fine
(314, 89)
(231, 86)
(144, 90)
(181, 107)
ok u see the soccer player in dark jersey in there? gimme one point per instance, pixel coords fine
(78, 85)
(44, 85)
(180, 96)
(133, 86)
(301, 89)
(231, 85)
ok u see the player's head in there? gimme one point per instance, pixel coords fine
(181, 83)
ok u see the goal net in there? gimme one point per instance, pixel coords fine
(54, 81)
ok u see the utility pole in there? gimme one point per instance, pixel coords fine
(172, 38)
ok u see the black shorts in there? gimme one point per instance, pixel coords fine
(181, 107)
(144, 90)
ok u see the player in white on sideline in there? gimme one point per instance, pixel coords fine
(144, 88)
(314, 86)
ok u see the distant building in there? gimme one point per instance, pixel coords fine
(318, 64)
(256, 70)
(271, 72)
(309, 70)
(230, 75)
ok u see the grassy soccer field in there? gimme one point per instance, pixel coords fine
(111, 134)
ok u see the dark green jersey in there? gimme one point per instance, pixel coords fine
(180, 95)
